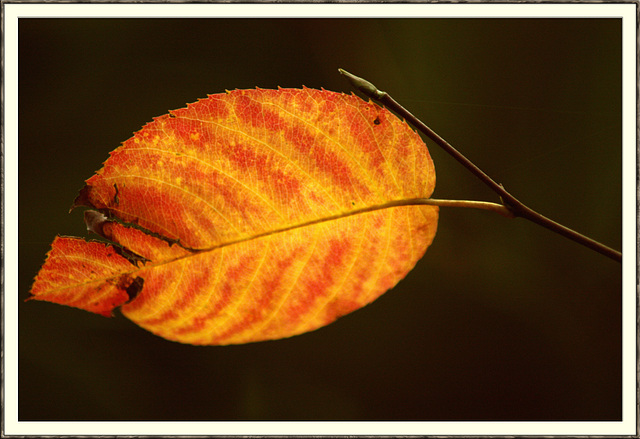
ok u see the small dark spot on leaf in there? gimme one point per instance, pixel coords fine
(116, 201)
(135, 288)
(376, 121)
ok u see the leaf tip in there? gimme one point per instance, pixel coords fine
(82, 199)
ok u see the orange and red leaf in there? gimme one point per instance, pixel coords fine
(255, 215)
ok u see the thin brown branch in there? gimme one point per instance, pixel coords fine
(509, 201)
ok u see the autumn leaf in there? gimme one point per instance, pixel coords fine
(247, 216)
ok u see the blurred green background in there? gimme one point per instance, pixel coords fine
(501, 320)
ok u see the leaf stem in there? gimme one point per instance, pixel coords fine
(484, 205)
(509, 202)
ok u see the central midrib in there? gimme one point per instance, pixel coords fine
(152, 264)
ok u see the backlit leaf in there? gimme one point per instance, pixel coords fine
(247, 216)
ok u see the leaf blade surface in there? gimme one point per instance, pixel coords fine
(268, 194)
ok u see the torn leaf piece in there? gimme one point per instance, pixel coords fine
(135, 244)
(86, 275)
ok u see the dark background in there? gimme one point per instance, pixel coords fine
(501, 320)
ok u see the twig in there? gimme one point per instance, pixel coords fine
(517, 208)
